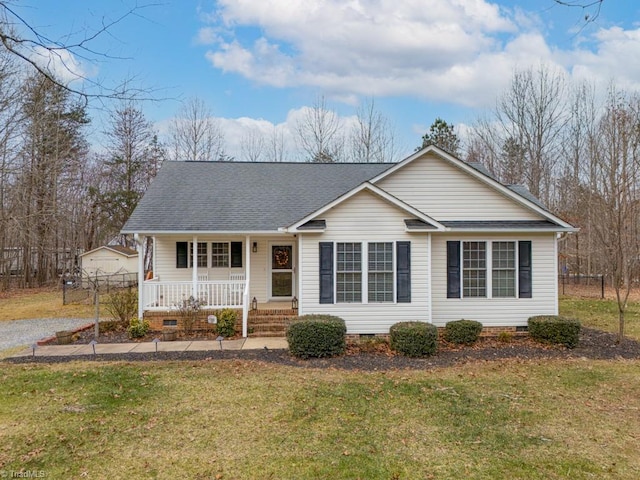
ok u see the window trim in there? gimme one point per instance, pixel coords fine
(221, 255)
(514, 269)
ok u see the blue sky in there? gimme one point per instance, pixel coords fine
(259, 63)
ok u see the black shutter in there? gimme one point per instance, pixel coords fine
(326, 272)
(403, 273)
(525, 289)
(236, 254)
(182, 258)
(453, 269)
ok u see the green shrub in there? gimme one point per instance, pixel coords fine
(414, 339)
(138, 328)
(462, 331)
(122, 305)
(227, 322)
(316, 336)
(555, 329)
(505, 337)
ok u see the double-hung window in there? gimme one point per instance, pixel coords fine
(380, 281)
(503, 276)
(219, 254)
(349, 272)
(474, 269)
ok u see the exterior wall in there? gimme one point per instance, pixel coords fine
(366, 218)
(497, 312)
(166, 271)
(106, 262)
(437, 188)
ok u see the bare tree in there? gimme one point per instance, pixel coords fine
(252, 146)
(616, 199)
(48, 56)
(319, 135)
(195, 134)
(372, 139)
(276, 145)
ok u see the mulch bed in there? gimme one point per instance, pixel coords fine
(594, 344)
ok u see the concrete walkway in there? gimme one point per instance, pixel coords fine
(147, 347)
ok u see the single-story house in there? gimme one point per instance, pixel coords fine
(431, 238)
(109, 260)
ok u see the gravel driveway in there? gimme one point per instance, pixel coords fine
(18, 333)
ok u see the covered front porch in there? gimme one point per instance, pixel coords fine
(252, 273)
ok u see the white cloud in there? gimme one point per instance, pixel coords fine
(460, 51)
(61, 64)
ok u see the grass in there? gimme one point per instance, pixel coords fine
(242, 420)
(602, 314)
(23, 304)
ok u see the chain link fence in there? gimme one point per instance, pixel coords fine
(80, 289)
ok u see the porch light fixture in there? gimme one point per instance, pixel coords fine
(294, 303)
(255, 247)
(254, 304)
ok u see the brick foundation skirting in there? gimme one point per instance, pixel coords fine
(157, 320)
(486, 332)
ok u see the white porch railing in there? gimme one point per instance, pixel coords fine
(212, 294)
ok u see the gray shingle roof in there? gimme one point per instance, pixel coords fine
(242, 196)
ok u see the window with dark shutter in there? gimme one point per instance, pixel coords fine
(326, 272)
(182, 254)
(453, 269)
(525, 289)
(403, 273)
(236, 254)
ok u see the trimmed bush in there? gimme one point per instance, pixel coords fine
(414, 339)
(462, 331)
(122, 305)
(138, 328)
(316, 336)
(227, 322)
(555, 329)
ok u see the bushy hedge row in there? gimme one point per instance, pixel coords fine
(414, 339)
(462, 331)
(554, 329)
(316, 336)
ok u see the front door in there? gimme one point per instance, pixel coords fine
(282, 271)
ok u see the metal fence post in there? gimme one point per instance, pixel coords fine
(601, 286)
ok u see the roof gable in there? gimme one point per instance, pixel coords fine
(450, 189)
(408, 209)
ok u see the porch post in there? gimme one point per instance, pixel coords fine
(194, 264)
(247, 276)
(140, 247)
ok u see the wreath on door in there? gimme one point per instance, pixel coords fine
(282, 258)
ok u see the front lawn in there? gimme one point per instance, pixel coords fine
(40, 303)
(245, 420)
(602, 314)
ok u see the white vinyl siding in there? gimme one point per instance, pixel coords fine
(365, 218)
(496, 311)
(439, 189)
